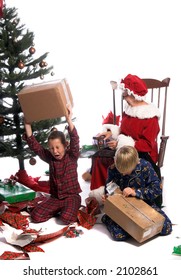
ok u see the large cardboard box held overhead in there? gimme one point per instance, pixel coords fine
(135, 216)
(47, 100)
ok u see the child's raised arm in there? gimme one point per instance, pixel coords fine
(28, 128)
(69, 117)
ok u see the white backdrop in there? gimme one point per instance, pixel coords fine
(91, 42)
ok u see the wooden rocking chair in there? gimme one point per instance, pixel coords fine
(157, 94)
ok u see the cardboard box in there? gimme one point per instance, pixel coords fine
(135, 216)
(16, 193)
(46, 100)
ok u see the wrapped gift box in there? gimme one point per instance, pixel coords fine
(135, 216)
(46, 100)
(15, 193)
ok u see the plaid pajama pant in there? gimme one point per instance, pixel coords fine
(49, 207)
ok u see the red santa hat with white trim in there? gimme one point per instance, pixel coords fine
(134, 86)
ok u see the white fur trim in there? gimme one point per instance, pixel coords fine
(124, 140)
(146, 111)
(115, 129)
(98, 193)
(130, 92)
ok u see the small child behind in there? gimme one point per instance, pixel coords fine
(65, 190)
(135, 177)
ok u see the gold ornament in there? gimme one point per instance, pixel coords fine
(42, 64)
(32, 50)
(32, 161)
(21, 64)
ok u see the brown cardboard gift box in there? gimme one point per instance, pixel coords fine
(134, 215)
(47, 100)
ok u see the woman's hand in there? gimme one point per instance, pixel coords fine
(112, 144)
(106, 134)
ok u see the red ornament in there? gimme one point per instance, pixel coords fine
(32, 50)
(32, 161)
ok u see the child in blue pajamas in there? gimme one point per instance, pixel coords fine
(135, 177)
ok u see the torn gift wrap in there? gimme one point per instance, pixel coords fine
(17, 236)
(16, 220)
(9, 255)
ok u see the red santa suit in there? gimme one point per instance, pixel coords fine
(139, 128)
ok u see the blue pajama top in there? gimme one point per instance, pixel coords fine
(143, 180)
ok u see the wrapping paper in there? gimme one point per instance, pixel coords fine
(8, 255)
(16, 220)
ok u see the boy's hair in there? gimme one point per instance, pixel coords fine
(126, 159)
(57, 135)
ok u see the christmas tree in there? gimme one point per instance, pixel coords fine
(18, 66)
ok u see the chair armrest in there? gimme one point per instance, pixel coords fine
(162, 149)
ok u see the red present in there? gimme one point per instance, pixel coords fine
(86, 219)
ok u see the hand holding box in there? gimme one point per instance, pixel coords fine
(46, 100)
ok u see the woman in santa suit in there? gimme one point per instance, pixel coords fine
(139, 128)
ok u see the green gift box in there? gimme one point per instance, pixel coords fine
(15, 193)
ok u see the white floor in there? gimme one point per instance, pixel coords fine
(95, 247)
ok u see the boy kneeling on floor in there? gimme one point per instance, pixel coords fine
(135, 177)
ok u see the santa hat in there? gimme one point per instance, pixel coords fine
(108, 123)
(134, 86)
(110, 119)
